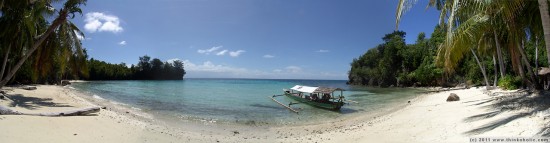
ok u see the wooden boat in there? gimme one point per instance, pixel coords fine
(322, 97)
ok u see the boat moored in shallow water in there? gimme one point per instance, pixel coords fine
(322, 97)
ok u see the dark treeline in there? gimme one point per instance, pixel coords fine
(52, 72)
(146, 69)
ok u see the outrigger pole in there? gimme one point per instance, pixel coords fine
(288, 107)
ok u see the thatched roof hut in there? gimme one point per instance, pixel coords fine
(544, 71)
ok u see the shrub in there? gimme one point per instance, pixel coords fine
(509, 83)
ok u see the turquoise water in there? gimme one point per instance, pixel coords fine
(240, 100)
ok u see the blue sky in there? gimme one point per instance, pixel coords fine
(283, 39)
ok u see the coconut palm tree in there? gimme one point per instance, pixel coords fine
(446, 8)
(27, 35)
(545, 19)
(469, 20)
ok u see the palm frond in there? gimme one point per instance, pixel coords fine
(402, 7)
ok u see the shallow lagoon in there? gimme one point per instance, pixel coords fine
(242, 101)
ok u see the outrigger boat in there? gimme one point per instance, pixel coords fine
(322, 97)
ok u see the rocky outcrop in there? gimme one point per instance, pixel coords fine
(453, 97)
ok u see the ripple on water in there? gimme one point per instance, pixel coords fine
(242, 101)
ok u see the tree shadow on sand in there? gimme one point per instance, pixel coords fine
(527, 104)
(33, 103)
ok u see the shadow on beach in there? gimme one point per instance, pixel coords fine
(33, 103)
(524, 104)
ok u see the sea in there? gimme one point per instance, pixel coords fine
(242, 101)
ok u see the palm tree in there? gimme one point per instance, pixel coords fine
(27, 17)
(477, 19)
(545, 18)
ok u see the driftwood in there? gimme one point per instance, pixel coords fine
(77, 112)
(65, 82)
(444, 89)
(29, 87)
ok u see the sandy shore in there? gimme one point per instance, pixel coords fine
(428, 118)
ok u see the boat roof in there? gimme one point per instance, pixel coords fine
(313, 89)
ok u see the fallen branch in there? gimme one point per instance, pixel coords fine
(77, 112)
(444, 89)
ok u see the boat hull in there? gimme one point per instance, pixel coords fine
(329, 106)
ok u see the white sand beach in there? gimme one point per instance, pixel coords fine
(428, 118)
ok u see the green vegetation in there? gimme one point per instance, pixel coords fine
(394, 63)
(146, 69)
(39, 44)
(509, 82)
(476, 42)
(44, 50)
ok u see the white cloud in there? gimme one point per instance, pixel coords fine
(293, 69)
(208, 51)
(211, 67)
(221, 53)
(322, 51)
(269, 56)
(236, 53)
(172, 60)
(122, 43)
(215, 50)
(97, 21)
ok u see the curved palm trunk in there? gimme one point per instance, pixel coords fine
(499, 56)
(545, 18)
(537, 55)
(496, 71)
(5, 62)
(522, 74)
(482, 69)
(532, 81)
(55, 24)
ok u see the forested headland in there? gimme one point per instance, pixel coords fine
(504, 43)
(395, 63)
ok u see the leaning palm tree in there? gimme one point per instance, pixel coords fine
(545, 21)
(446, 8)
(32, 38)
(469, 20)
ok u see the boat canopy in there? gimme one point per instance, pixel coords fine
(310, 89)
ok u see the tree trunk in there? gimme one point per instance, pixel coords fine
(5, 62)
(482, 69)
(496, 71)
(545, 18)
(537, 55)
(499, 56)
(55, 24)
(522, 74)
(528, 66)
